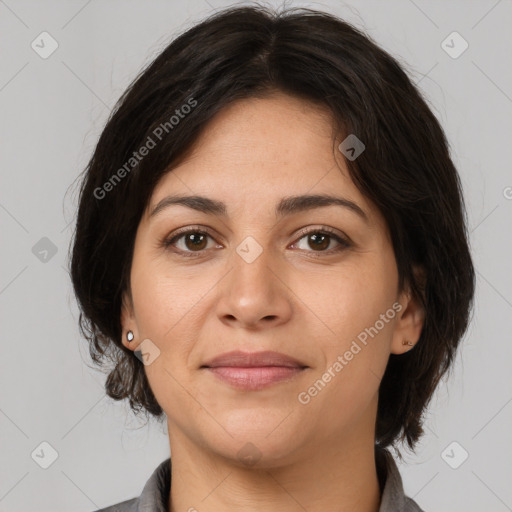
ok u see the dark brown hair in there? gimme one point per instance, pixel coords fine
(405, 170)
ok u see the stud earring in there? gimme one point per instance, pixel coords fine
(407, 342)
(129, 336)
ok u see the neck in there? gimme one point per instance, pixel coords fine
(337, 476)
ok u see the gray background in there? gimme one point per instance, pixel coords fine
(52, 111)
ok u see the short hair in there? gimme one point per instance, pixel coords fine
(405, 170)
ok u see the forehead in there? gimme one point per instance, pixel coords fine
(277, 130)
(257, 150)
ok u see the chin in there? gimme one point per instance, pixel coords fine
(260, 439)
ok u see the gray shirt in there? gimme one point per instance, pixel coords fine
(155, 495)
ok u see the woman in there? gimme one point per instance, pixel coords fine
(271, 246)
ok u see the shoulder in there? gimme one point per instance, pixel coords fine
(154, 496)
(393, 498)
(123, 506)
(411, 506)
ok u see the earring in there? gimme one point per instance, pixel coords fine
(129, 336)
(407, 342)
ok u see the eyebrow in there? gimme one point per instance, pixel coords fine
(286, 206)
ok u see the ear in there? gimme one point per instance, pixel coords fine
(128, 322)
(411, 317)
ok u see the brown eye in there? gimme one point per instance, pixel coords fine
(195, 241)
(320, 241)
(191, 241)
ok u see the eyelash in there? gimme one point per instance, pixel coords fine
(324, 230)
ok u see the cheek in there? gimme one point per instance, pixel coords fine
(164, 299)
(164, 307)
(355, 308)
(350, 298)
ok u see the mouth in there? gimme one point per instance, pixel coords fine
(254, 370)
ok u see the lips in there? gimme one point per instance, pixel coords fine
(253, 359)
(254, 370)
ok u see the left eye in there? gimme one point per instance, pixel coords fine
(320, 241)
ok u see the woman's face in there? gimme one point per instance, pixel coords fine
(318, 284)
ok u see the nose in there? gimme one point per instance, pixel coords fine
(254, 294)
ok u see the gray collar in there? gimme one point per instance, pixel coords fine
(155, 495)
(393, 498)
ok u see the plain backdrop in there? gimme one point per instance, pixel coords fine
(52, 111)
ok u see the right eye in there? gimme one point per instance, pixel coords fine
(189, 241)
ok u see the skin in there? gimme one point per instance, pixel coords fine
(293, 298)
